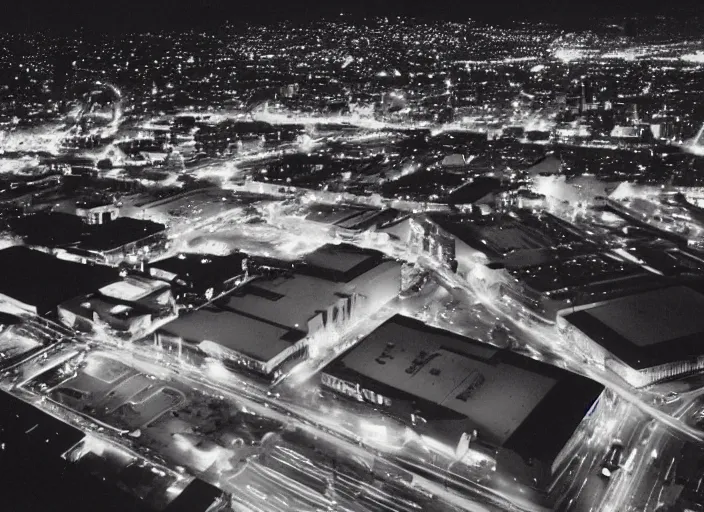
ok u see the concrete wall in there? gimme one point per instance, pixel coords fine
(379, 285)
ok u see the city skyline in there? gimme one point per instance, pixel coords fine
(264, 258)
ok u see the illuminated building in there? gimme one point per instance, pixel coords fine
(634, 133)
(347, 221)
(569, 133)
(587, 96)
(454, 160)
(129, 307)
(449, 386)
(94, 211)
(574, 189)
(643, 337)
(271, 322)
(426, 237)
(549, 165)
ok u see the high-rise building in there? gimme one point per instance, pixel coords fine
(586, 95)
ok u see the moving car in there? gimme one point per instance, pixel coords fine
(613, 459)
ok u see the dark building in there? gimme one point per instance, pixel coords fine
(38, 282)
(199, 496)
(457, 385)
(644, 337)
(478, 191)
(115, 240)
(348, 221)
(48, 229)
(198, 277)
(37, 477)
(28, 435)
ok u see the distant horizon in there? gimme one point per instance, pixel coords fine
(33, 15)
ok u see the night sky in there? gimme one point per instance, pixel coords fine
(167, 14)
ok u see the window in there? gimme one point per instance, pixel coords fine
(339, 385)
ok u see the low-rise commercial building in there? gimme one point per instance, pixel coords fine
(97, 210)
(112, 242)
(554, 281)
(540, 261)
(196, 278)
(271, 321)
(348, 221)
(38, 282)
(644, 337)
(129, 307)
(452, 389)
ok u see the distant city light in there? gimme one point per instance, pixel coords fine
(356, 260)
(695, 58)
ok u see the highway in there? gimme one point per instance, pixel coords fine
(312, 421)
(587, 488)
(660, 449)
(256, 397)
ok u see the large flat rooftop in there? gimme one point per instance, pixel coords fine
(22, 422)
(339, 263)
(132, 288)
(265, 316)
(328, 214)
(575, 271)
(495, 391)
(40, 280)
(119, 232)
(647, 329)
(287, 300)
(294, 298)
(255, 337)
(504, 235)
(202, 269)
(348, 217)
